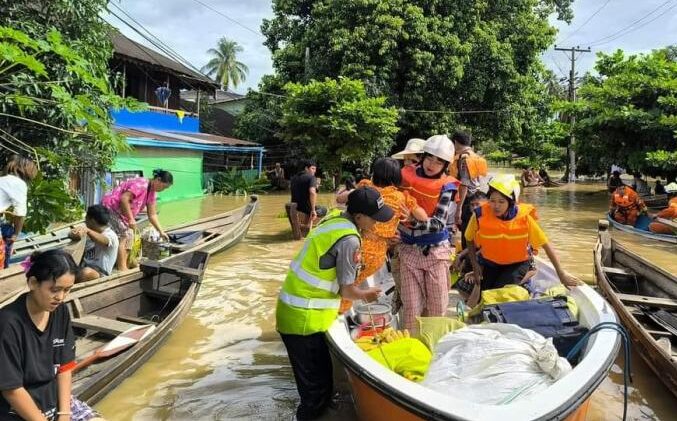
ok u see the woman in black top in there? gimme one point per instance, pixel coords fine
(37, 346)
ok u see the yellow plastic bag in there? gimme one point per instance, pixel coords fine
(135, 251)
(431, 329)
(562, 290)
(508, 293)
(407, 357)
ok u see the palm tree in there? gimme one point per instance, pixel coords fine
(224, 65)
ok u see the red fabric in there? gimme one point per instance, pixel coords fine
(63, 368)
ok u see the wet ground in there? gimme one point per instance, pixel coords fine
(226, 361)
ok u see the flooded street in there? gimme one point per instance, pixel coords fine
(227, 362)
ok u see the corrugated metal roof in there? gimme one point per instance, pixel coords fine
(221, 96)
(196, 138)
(125, 48)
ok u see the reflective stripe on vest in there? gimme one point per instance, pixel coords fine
(503, 242)
(310, 303)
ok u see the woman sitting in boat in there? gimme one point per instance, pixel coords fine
(343, 192)
(506, 234)
(386, 179)
(37, 345)
(626, 206)
(127, 200)
(321, 274)
(669, 213)
(18, 172)
(425, 250)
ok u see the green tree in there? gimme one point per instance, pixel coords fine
(224, 65)
(436, 55)
(627, 114)
(55, 94)
(337, 123)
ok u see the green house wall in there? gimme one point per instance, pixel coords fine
(185, 166)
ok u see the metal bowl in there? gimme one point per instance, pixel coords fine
(381, 313)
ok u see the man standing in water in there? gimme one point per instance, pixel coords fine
(304, 194)
(319, 275)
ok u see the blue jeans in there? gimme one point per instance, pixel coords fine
(7, 233)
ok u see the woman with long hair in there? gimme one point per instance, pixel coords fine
(18, 173)
(37, 345)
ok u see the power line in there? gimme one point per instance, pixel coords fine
(254, 31)
(159, 43)
(585, 23)
(629, 27)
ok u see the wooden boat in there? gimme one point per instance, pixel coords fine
(644, 233)
(659, 201)
(159, 293)
(54, 238)
(157, 296)
(645, 299)
(13, 278)
(381, 394)
(211, 234)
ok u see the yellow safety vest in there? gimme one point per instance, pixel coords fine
(309, 300)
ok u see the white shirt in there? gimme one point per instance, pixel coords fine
(102, 258)
(13, 192)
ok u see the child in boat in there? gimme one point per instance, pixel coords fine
(507, 233)
(37, 345)
(101, 248)
(386, 179)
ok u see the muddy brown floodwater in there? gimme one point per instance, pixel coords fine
(227, 362)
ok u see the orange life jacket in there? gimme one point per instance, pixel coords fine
(426, 191)
(477, 166)
(671, 211)
(628, 201)
(504, 242)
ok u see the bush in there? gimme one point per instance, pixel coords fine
(235, 183)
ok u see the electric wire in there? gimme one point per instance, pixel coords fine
(584, 23)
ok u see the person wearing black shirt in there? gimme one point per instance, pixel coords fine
(304, 194)
(37, 345)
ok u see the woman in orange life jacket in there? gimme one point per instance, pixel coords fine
(669, 213)
(626, 206)
(425, 250)
(506, 233)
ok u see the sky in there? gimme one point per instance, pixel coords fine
(191, 28)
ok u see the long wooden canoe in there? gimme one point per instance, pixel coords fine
(211, 234)
(647, 234)
(381, 394)
(159, 293)
(55, 238)
(13, 278)
(645, 299)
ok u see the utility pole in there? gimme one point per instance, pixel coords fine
(572, 98)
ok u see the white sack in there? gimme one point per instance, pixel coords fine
(494, 364)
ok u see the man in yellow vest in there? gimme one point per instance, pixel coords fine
(319, 275)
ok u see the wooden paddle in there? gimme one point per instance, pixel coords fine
(121, 342)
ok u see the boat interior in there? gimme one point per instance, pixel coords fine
(149, 297)
(647, 293)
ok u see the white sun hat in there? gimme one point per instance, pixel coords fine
(414, 146)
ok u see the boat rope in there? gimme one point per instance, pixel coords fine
(379, 343)
(627, 370)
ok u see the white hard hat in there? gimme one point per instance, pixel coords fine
(414, 146)
(441, 147)
(671, 188)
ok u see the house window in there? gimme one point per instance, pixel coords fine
(118, 177)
